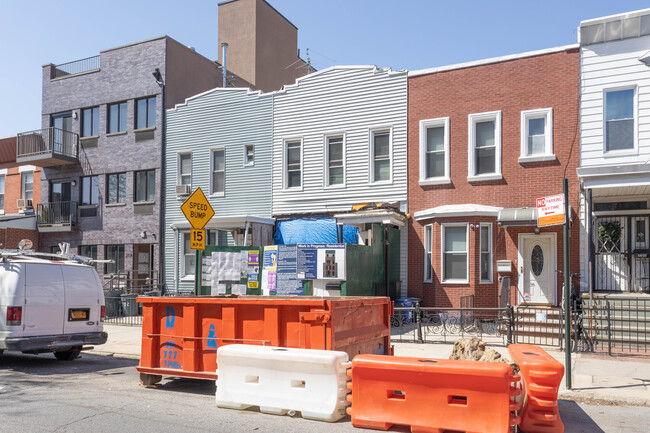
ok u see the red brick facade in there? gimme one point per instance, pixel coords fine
(526, 83)
(9, 238)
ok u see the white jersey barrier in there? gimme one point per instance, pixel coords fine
(282, 380)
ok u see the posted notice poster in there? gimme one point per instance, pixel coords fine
(269, 270)
(321, 261)
(287, 281)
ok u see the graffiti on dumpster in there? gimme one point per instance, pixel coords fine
(169, 356)
(212, 337)
(170, 317)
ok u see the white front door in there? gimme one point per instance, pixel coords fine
(537, 265)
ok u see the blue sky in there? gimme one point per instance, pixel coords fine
(403, 34)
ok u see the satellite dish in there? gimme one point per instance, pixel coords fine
(25, 244)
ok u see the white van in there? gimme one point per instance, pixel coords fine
(49, 306)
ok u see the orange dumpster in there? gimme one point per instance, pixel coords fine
(542, 375)
(432, 395)
(181, 335)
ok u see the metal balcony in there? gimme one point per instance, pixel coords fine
(56, 216)
(48, 147)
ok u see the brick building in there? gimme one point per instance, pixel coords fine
(19, 195)
(486, 139)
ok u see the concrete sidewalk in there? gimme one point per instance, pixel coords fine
(596, 379)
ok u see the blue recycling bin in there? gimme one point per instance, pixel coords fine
(407, 316)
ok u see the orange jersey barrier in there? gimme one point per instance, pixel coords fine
(542, 375)
(432, 395)
(181, 335)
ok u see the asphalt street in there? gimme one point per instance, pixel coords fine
(102, 394)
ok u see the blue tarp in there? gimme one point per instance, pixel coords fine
(313, 231)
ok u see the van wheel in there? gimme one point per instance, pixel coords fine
(150, 379)
(68, 355)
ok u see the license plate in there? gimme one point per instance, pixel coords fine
(78, 314)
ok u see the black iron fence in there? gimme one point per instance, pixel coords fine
(75, 67)
(57, 214)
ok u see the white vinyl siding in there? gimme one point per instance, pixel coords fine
(434, 151)
(353, 101)
(597, 78)
(220, 118)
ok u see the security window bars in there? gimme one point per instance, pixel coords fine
(115, 253)
(454, 241)
(117, 117)
(28, 185)
(90, 122)
(218, 171)
(185, 168)
(619, 120)
(145, 113)
(428, 251)
(380, 156)
(293, 164)
(145, 185)
(116, 188)
(486, 253)
(335, 171)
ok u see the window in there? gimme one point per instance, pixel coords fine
(145, 113)
(28, 185)
(293, 164)
(218, 163)
(189, 258)
(116, 188)
(90, 122)
(380, 170)
(484, 146)
(117, 117)
(115, 253)
(428, 250)
(454, 257)
(335, 171)
(88, 251)
(185, 168)
(620, 206)
(249, 155)
(217, 237)
(2, 193)
(89, 190)
(537, 135)
(619, 120)
(486, 253)
(145, 185)
(434, 151)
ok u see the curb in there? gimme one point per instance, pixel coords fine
(594, 398)
(113, 354)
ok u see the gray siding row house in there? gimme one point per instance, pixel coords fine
(219, 141)
(333, 139)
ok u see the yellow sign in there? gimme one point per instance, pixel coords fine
(197, 239)
(197, 210)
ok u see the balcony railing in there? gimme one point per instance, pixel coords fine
(48, 147)
(56, 216)
(76, 67)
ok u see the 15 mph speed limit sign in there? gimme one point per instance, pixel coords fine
(550, 210)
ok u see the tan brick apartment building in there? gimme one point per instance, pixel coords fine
(486, 139)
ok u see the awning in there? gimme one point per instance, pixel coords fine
(517, 216)
(457, 210)
(373, 216)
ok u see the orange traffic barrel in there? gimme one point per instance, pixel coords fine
(181, 335)
(542, 375)
(432, 395)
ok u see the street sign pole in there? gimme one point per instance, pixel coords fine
(198, 212)
(567, 289)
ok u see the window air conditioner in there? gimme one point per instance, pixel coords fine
(20, 203)
(183, 189)
(28, 204)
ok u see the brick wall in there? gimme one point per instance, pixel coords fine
(9, 237)
(545, 81)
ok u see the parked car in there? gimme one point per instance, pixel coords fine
(49, 305)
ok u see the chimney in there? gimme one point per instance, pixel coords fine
(224, 46)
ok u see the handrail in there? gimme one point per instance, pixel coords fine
(47, 141)
(75, 67)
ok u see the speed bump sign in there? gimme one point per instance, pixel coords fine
(197, 209)
(197, 239)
